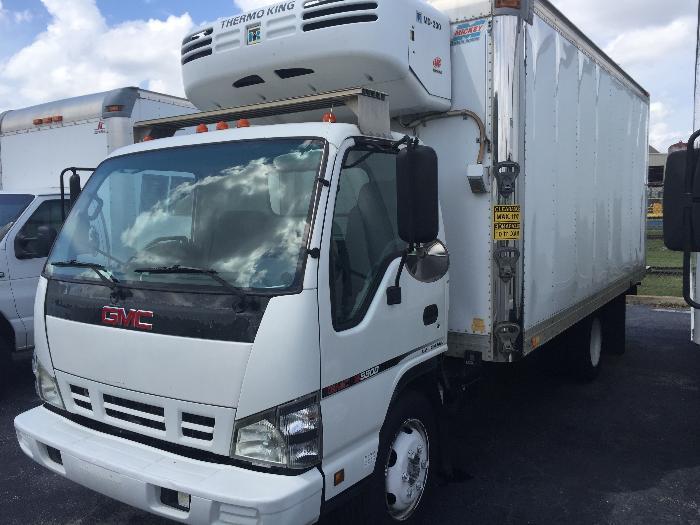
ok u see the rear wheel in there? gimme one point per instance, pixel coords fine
(614, 326)
(404, 474)
(587, 341)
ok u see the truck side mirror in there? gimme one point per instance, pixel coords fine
(74, 185)
(23, 246)
(682, 202)
(418, 209)
(35, 247)
(682, 208)
(417, 195)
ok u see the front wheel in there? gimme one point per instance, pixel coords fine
(405, 470)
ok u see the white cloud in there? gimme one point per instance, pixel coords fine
(658, 110)
(661, 134)
(80, 53)
(22, 16)
(6, 15)
(653, 44)
(604, 19)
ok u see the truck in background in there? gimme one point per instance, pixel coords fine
(36, 144)
(681, 207)
(273, 328)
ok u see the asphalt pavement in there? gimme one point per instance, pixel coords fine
(535, 446)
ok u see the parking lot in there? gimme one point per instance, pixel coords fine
(536, 447)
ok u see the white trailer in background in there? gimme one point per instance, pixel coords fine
(36, 144)
(274, 328)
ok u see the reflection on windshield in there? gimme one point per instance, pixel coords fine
(238, 209)
(11, 207)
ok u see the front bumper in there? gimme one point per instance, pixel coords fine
(134, 474)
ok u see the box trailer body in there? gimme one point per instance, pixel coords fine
(577, 126)
(36, 144)
(270, 340)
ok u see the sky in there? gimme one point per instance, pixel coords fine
(52, 49)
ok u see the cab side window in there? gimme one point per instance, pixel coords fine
(35, 238)
(364, 234)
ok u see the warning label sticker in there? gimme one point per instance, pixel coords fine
(506, 223)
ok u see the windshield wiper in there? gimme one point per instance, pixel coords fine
(100, 270)
(177, 269)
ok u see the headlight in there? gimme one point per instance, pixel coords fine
(46, 385)
(286, 436)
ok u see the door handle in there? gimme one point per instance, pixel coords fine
(430, 315)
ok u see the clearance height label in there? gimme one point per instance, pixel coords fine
(506, 223)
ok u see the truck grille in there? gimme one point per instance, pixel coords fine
(182, 422)
(134, 412)
(81, 397)
(198, 427)
(322, 14)
(197, 45)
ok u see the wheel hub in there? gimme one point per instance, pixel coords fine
(406, 470)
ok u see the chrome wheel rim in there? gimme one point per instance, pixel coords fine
(406, 469)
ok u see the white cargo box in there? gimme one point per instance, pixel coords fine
(297, 48)
(38, 142)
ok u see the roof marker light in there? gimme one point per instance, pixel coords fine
(330, 118)
(38, 122)
(220, 126)
(243, 123)
(58, 118)
(202, 128)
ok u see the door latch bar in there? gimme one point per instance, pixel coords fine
(506, 258)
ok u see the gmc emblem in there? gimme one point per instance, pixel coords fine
(114, 316)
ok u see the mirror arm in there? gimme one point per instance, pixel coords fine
(687, 219)
(690, 162)
(686, 261)
(74, 171)
(686, 281)
(393, 293)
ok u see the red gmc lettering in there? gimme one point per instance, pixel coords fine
(114, 316)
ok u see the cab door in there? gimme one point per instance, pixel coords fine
(367, 344)
(26, 256)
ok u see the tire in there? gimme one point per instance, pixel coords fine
(407, 461)
(614, 325)
(587, 341)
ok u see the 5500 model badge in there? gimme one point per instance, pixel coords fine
(119, 317)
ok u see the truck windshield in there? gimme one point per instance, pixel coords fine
(11, 207)
(234, 213)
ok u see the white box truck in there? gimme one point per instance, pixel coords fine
(249, 325)
(36, 144)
